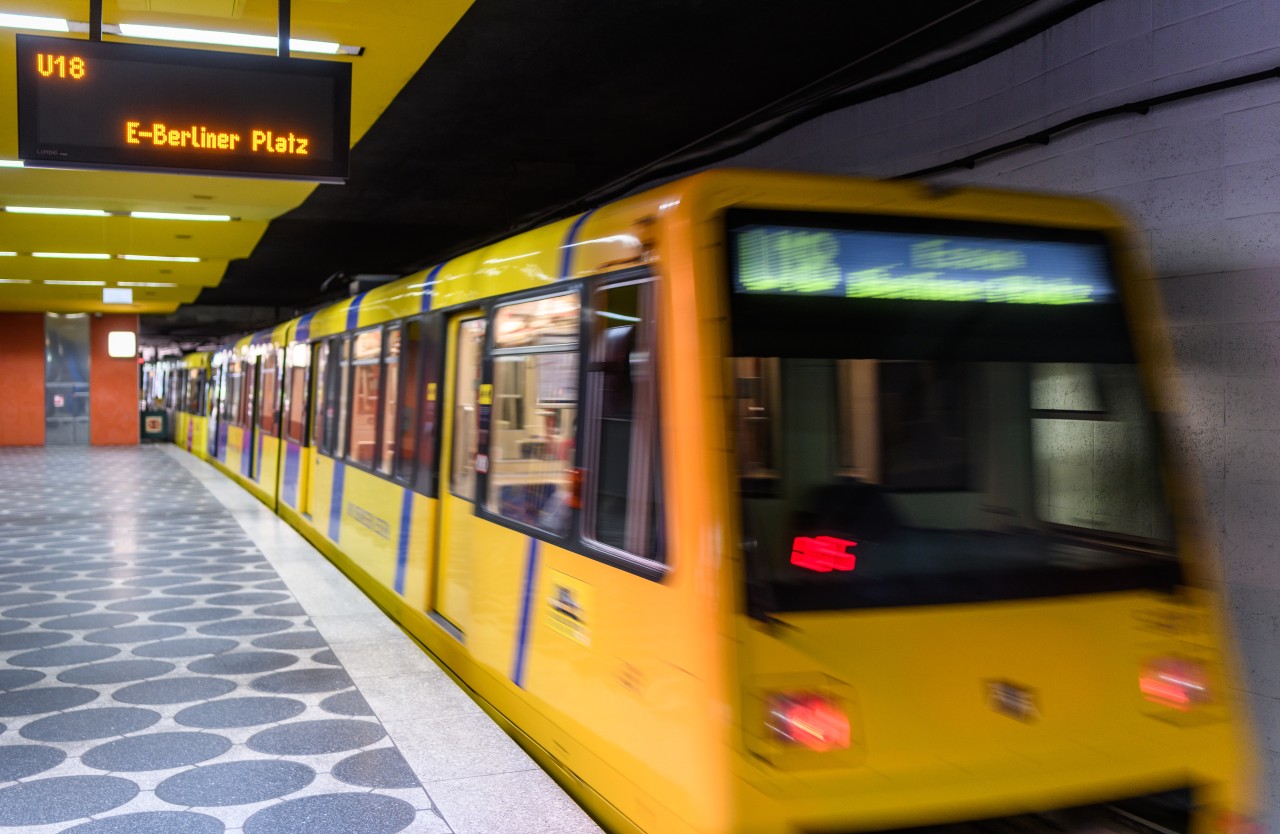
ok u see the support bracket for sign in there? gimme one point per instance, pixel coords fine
(282, 29)
(95, 20)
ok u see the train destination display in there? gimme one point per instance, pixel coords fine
(786, 260)
(88, 104)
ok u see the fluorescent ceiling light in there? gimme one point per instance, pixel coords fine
(172, 33)
(168, 215)
(143, 284)
(25, 21)
(8, 254)
(86, 256)
(69, 211)
(15, 280)
(174, 258)
(77, 283)
(11, 163)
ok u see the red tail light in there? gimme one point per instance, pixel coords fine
(808, 719)
(1174, 682)
(822, 553)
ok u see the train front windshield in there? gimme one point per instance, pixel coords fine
(932, 414)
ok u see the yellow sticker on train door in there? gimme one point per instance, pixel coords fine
(570, 607)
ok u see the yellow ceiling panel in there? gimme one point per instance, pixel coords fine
(397, 36)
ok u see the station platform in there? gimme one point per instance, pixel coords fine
(175, 658)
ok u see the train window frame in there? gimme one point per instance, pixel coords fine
(287, 405)
(431, 372)
(573, 541)
(592, 416)
(351, 338)
(490, 351)
(271, 353)
(382, 430)
(318, 390)
(341, 392)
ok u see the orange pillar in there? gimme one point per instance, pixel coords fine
(22, 379)
(113, 385)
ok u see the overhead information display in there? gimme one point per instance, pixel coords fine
(786, 260)
(87, 104)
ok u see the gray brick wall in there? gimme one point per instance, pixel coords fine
(1200, 180)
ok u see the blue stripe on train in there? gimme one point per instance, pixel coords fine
(429, 288)
(291, 457)
(526, 613)
(402, 551)
(570, 239)
(335, 501)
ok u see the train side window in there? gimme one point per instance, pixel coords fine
(428, 405)
(341, 390)
(320, 421)
(466, 424)
(247, 379)
(269, 393)
(366, 373)
(390, 399)
(295, 394)
(235, 386)
(407, 399)
(622, 509)
(535, 398)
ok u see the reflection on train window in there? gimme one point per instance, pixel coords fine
(342, 390)
(235, 386)
(391, 381)
(321, 421)
(466, 398)
(535, 398)
(247, 379)
(756, 383)
(622, 508)
(296, 393)
(268, 391)
(428, 333)
(195, 391)
(924, 441)
(366, 364)
(1093, 464)
(407, 424)
(944, 475)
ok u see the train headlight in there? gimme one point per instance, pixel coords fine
(1175, 682)
(807, 719)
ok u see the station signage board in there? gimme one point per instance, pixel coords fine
(93, 104)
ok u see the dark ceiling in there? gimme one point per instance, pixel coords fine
(527, 112)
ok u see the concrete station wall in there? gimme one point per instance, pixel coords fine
(1201, 181)
(113, 383)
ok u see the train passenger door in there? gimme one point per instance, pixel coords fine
(459, 441)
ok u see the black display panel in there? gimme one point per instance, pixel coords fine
(87, 104)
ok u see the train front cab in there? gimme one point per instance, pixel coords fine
(973, 577)
(612, 472)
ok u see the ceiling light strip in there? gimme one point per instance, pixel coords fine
(181, 259)
(140, 215)
(73, 212)
(145, 284)
(26, 21)
(76, 283)
(84, 256)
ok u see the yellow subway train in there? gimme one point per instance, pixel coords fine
(772, 503)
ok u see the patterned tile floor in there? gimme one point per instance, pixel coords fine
(158, 675)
